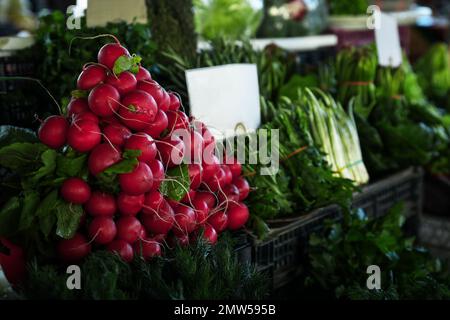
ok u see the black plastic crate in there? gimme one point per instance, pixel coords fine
(243, 248)
(378, 198)
(434, 233)
(437, 195)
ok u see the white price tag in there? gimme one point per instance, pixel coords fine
(100, 12)
(226, 98)
(388, 41)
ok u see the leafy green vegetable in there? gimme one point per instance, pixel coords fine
(68, 219)
(11, 134)
(348, 7)
(176, 183)
(46, 212)
(70, 165)
(21, 156)
(30, 204)
(10, 217)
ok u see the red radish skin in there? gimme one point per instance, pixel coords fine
(174, 102)
(124, 83)
(122, 248)
(201, 210)
(235, 167)
(178, 240)
(130, 205)
(177, 120)
(230, 194)
(208, 197)
(161, 238)
(237, 216)
(53, 132)
(77, 106)
(244, 188)
(195, 175)
(158, 173)
(165, 102)
(84, 135)
(104, 100)
(143, 74)
(138, 110)
(102, 157)
(218, 181)
(85, 116)
(210, 167)
(90, 77)
(109, 53)
(74, 249)
(116, 134)
(228, 174)
(159, 222)
(193, 143)
(147, 249)
(160, 124)
(75, 190)
(101, 204)
(142, 141)
(156, 91)
(188, 197)
(218, 221)
(210, 234)
(143, 233)
(102, 230)
(171, 150)
(137, 182)
(153, 202)
(185, 221)
(128, 229)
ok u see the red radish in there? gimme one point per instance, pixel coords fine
(181, 240)
(102, 230)
(128, 229)
(243, 186)
(210, 234)
(84, 135)
(193, 143)
(102, 157)
(206, 196)
(74, 249)
(137, 182)
(85, 116)
(235, 167)
(143, 233)
(230, 194)
(156, 91)
(160, 238)
(12, 261)
(124, 83)
(110, 120)
(159, 222)
(104, 100)
(188, 197)
(174, 102)
(101, 204)
(237, 216)
(116, 134)
(77, 106)
(160, 123)
(228, 174)
(142, 141)
(171, 150)
(195, 175)
(130, 205)
(158, 173)
(138, 110)
(147, 249)
(122, 248)
(207, 136)
(219, 221)
(53, 132)
(153, 202)
(75, 190)
(210, 167)
(82, 220)
(201, 210)
(109, 53)
(184, 220)
(218, 181)
(143, 74)
(90, 77)
(177, 120)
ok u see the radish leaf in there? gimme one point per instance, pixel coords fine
(177, 182)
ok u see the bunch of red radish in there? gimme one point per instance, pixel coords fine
(130, 111)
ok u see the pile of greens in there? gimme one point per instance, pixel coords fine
(58, 66)
(199, 271)
(433, 71)
(231, 19)
(337, 267)
(348, 7)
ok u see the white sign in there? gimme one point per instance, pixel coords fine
(388, 41)
(100, 12)
(226, 98)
